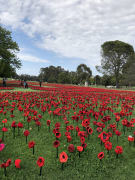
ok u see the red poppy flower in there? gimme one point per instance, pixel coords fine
(20, 125)
(40, 116)
(48, 122)
(84, 145)
(4, 121)
(4, 129)
(63, 157)
(118, 133)
(29, 119)
(40, 161)
(13, 124)
(17, 163)
(104, 137)
(119, 150)
(69, 138)
(58, 134)
(3, 165)
(108, 145)
(12, 115)
(57, 125)
(82, 139)
(31, 144)
(130, 138)
(101, 155)
(77, 129)
(56, 143)
(38, 123)
(35, 113)
(67, 133)
(26, 133)
(71, 148)
(8, 163)
(99, 129)
(2, 146)
(71, 127)
(79, 148)
(90, 130)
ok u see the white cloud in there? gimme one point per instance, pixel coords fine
(71, 28)
(31, 58)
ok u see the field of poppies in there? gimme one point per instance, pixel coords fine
(67, 132)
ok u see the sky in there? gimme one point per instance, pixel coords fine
(66, 33)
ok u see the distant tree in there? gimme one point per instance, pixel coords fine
(97, 80)
(64, 77)
(28, 77)
(84, 73)
(73, 77)
(129, 71)
(8, 49)
(108, 80)
(50, 74)
(114, 57)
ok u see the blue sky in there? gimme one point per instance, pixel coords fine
(66, 33)
(27, 46)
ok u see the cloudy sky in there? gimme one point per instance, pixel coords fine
(66, 33)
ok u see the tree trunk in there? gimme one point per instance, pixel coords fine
(117, 82)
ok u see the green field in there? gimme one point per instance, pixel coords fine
(88, 166)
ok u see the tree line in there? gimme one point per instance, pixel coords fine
(117, 65)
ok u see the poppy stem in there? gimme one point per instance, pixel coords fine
(79, 154)
(49, 128)
(40, 171)
(62, 166)
(101, 143)
(33, 150)
(124, 129)
(14, 132)
(26, 139)
(3, 136)
(5, 171)
(116, 155)
(57, 153)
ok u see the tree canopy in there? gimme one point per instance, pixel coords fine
(84, 73)
(114, 56)
(129, 71)
(8, 49)
(58, 74)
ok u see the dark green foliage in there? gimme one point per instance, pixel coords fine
(58, 74)
(50, 74)
(84, 73)
(8, 59)
(129, 72)
(114, 56)
(97, 80)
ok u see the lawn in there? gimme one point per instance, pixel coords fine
(70, 107)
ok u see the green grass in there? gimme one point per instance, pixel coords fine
(88, 166)
(23, 89)
(19, 89)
